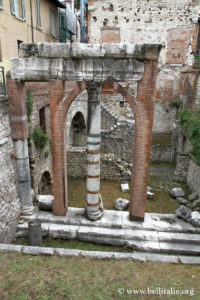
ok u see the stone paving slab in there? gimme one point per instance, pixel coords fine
(67, 252)
(179, 237)
(189, 260)
(144, 246)
(105, 236)
(8, 248)
(154, 257)
(59, 231)
(38, 250)
(135, 256)
(141, 235)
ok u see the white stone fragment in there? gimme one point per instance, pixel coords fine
(124, 187)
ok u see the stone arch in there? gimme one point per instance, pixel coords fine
(59, 105)
(45, 184)
(78, 130)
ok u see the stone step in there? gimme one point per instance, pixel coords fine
(117, 219)
(161, 247)
(140, 240)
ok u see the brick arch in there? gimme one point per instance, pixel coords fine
(59, 106)
(143, 110)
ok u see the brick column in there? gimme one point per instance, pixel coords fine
(58, 146)
(94, 206)
(19, 132)
(143, 139)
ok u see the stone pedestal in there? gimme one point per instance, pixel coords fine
(94, 207)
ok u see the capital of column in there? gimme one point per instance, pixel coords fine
(94, 91)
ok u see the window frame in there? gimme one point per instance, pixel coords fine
(38, 14)
(1, 4)
(14, 8)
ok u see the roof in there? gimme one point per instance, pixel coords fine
(58, 3)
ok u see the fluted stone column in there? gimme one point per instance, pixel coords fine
(94, 206)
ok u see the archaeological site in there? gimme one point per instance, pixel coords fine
(100, 128)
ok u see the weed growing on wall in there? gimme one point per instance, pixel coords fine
(191, 126)
(40, 138)
(29, 104)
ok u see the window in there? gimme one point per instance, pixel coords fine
(1, 4)
(18, 8)
(54, 23)
(38, 16)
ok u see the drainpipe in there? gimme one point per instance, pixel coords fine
(82, 20)
(31, 11)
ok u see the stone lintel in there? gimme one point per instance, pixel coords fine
(80, 50)
(76, 69)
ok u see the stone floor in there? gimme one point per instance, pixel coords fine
(158, 234)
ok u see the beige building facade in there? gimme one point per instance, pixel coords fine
(26, 21)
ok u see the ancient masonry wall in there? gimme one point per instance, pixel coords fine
(9, 199)
(171, 23)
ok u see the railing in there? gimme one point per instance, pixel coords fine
(2, 82)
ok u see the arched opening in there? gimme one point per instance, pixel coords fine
(78, 130)
(45, 184)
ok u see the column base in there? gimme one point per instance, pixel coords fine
(136, 219)
(27, 210)
(93, 216)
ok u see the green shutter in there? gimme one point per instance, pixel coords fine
(12, 6)
(51, 21)
(24, 9)
(38, 13)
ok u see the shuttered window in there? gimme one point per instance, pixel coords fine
(54, 23)
(38, 16)
(1, 4)
(18, 8)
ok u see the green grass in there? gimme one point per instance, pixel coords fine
(160, 179)
(161, 139)
(32, 277)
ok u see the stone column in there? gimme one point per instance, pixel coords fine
(19, 130)
(94, 207)
(24, 180)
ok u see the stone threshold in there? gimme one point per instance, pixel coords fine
(142, 257)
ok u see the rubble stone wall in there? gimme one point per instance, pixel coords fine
(9, 199)
(171, 23)
(39, 161)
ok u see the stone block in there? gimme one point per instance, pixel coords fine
(193, 196)
(45, 202)
(181, 200)
(38, 250)
(155, 257)
(150, 195)
(124, 187)
(67, 252)
(59, 231)
(183, 212)
(177, 192)
(7, 248)
(189, 260)
(122, 204)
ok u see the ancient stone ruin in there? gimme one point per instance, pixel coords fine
(80, 67)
